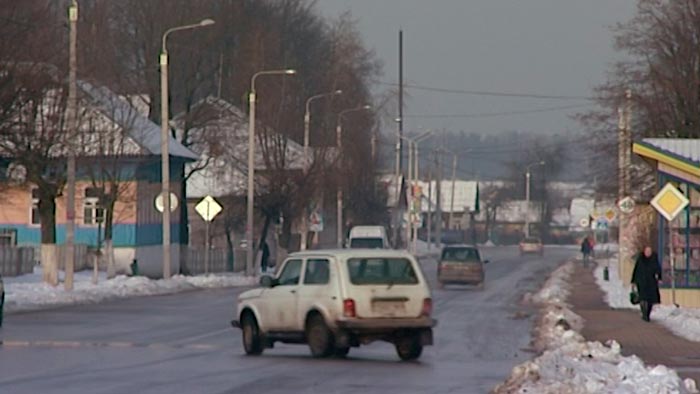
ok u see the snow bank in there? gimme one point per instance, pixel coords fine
(571, 365)
(684, 322)
(28, 292)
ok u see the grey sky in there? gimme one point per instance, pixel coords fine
(550, 47)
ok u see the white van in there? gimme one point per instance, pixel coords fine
(368, 237)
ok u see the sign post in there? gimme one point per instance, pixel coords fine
(207, 208)
(669, 202)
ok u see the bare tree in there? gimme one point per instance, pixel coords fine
(661, 56)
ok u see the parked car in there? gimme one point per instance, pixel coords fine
(335, 300)
(531, 245)
(368, 237)
(461, 264)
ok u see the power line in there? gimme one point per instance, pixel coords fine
(497, 114)
(487, 93)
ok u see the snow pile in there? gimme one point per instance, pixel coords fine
(28, 292)
(684, 322)
(570, 365)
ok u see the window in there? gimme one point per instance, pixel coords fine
(290, 273)
(377, 271)
(93, 212)
(317, 272)
(460, 254)
(35, 217)
(366, 243)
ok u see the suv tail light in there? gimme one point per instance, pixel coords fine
(427, 307)
(349, 308)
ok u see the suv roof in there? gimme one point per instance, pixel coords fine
(352, 253)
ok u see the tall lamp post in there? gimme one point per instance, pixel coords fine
(307, 161)
(527, 195)
(250, 260)
(164, 140)
(339, 191)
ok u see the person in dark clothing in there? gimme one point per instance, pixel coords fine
(586, 249)
(265, 257)
(645, 278)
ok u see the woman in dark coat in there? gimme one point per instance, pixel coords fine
(646, 277)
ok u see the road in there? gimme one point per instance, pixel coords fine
(183, 344)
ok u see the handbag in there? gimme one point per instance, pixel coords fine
(634, 297)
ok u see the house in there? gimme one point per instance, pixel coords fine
(219, 131)
(133, 162)
(675, 161)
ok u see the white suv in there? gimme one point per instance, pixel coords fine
(336, 299)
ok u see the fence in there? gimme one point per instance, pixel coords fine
(16, 261)
(218, 261)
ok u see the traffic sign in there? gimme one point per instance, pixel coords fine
(584, 222)
(669, 202)
(626, 205)
(602, 224)
(610, 214)
(208, 208)
(160, 206)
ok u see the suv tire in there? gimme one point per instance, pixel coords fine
(252, 341)
(409, 347)
(319, 337)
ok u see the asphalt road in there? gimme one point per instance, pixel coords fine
(183, 344)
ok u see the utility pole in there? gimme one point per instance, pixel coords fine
(454, 181)
(438, 232)
(624, 159)
(71, 123)
(400, 119)
(430, 203)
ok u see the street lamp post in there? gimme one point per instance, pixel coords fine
(307, 161)
(339, 190)
(164, 140)
(250, 267)
(416, 178)
(71, 126)
(527, 195)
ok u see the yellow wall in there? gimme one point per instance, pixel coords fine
(689, 298)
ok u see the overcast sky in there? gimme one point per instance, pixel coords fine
(548, 47)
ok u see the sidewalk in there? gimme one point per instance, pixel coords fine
(651, 342)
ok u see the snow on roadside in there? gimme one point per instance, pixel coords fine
(684, 322)
(571, 365)
(28, 292)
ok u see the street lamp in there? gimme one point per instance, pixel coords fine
(249, 268)
(527, 195)
(307, 161)
(413, 176)
(339, 191)
(164, 140)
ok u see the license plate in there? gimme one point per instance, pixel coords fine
(388, 308)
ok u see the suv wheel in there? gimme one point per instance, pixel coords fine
(409, 347)
(319, 337)
(252, 342)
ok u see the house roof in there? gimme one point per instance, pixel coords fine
(141, 129)
(680, 153)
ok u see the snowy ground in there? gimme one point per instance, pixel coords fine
(684, 322)
(28, 292)
(570, 364)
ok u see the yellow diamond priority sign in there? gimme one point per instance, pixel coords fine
(208, 208)
(669, 201)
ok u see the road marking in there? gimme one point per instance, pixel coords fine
(117, 345)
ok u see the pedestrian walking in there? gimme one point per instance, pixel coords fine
(586, 250)
(264, 261)
(645, 280)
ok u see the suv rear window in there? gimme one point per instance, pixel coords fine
(377, 271)
(366, 243)
(460, 254)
